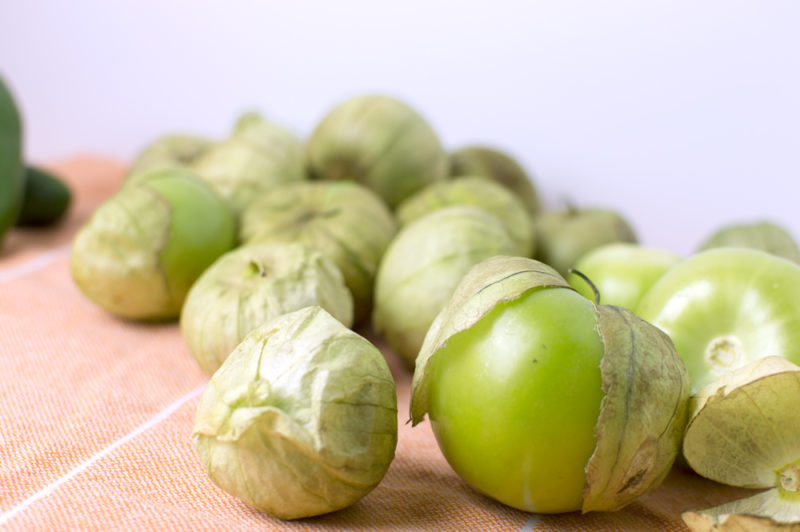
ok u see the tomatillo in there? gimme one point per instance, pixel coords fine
(545, 401)
(726, 307)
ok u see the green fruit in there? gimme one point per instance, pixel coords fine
(764, 236)
(141, 251)
(474, 191)
(12, 169)
(381, 143)
(499, 167)
(169, 151)
(46, 198)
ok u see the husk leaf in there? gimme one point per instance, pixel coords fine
(642, 414)
(495, 280)
(301, 419)
(763, 512)
(746, 425)
(251, 285)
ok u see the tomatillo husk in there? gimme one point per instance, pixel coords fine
(344, 221)
(142, 249)
(380, 142)
(764, 236)
(562, 237)
(499, 167)
(253, 284)
(644, 383)
(477, 192)
(301, 419)
(257, 158)
(745, 431)
(169, 151)
(422, 267)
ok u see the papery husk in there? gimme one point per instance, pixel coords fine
(498, 167)
(765, 236)
(251, 285)
(169, 151)
(642, 415)
(763, 512)
(474, 191)
(422, 267)
(344, 221)
(745, 426)
(379, 142)
(301, 419)
(645, 385)
(246, 165)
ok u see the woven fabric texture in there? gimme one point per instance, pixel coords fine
(97, 413)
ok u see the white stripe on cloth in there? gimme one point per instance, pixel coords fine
(36, 263)
(47, 490)
(532, 522)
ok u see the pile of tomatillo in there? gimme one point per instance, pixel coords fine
(563, 367)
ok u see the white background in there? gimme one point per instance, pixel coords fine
(682, 115)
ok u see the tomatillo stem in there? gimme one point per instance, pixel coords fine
(589, 282)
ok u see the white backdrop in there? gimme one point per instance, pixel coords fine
(683, 115)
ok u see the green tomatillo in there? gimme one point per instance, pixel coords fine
(545, 401)
(620, 272)
(142, 249)
(764, 235)
(726, 307)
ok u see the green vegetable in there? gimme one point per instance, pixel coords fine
(12, 169)
(727, 307)
(301, 419)
(545, 401)
(46, 198)
(764, 236)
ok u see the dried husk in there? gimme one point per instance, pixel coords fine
(380, 142)
(129, 258)
(477, 192)
(424, 264)
(645, 385)
(344, 221)
(258, 157)
(301, 419)
(251, 285)
(499, 167)
(169, 151)
(764, 236)
(745, 426)
(763, 512)
(562, 237)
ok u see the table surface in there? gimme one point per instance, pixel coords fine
(95, 429)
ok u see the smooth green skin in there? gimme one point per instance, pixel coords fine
(12, 169)
(514, 400)
(748, 296)
(621, 272)
(562, 237)
(200, 230)
(46, 199)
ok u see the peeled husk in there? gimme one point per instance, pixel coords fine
(301, 419)
(477, 192)
(645, 385)
(764, 236)
(379, 142)
(745, 431)
(169, 151)
(422, 267)
(251, 285)
(344, 221)
(562, 237)
(258, 157)
(499, 167)
(126, 258)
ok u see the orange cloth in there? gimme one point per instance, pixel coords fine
(96, 416)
